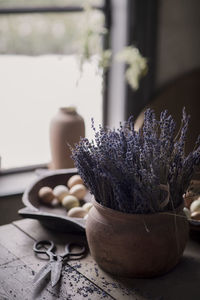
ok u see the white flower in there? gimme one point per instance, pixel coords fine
(137, 65)
(105, 58)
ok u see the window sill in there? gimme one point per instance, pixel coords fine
(15, 183)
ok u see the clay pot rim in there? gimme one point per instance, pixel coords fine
(126, 216)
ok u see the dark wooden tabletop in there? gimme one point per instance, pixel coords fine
(83, 279)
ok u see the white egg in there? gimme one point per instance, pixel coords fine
(76, 212)
(195, 205)
(86, 216)
(87, 206)
(78, 190)
(55, 202)
(187, 212)
(196, 215)
(70, 201)
(60, 191)
(75, 179)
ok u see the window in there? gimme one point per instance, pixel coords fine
(39, 43)
(39, 46)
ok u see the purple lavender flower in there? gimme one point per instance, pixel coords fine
(138, 172)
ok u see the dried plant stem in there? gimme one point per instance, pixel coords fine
(140, 172)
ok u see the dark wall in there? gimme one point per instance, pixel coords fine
(178, 39)
(167, 33)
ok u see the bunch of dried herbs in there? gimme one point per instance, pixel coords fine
(143, 171)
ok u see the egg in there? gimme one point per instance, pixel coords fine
(78, 190)
(187, 212)
(60, 191)
(86, 216)
(70, 201)
(87, 206)
(77, 212)
(73, 180)
(196, 215)
(55, 202)
(46, 195)
(195, 205)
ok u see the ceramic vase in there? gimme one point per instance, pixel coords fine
(136, 245)
(66, 128)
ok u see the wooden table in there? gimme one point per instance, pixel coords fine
(84, 279)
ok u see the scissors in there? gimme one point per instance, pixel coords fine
(54, 266)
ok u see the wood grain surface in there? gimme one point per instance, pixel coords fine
(83, 279)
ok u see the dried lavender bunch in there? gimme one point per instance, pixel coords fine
(138, 172)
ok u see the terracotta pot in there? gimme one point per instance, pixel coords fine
(66, 128)
(134, 245)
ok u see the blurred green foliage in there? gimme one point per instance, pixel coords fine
(37, 34)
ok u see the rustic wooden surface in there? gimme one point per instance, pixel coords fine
(84, 279)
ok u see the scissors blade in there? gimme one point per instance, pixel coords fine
(56, 271)
(42, 273)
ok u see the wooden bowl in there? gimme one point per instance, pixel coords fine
(51, 217)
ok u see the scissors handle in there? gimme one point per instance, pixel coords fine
(39, 247)
(70, 246)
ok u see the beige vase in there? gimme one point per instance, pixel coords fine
(66, 128)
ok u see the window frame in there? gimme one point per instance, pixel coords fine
(142, 27)
(106, 10)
